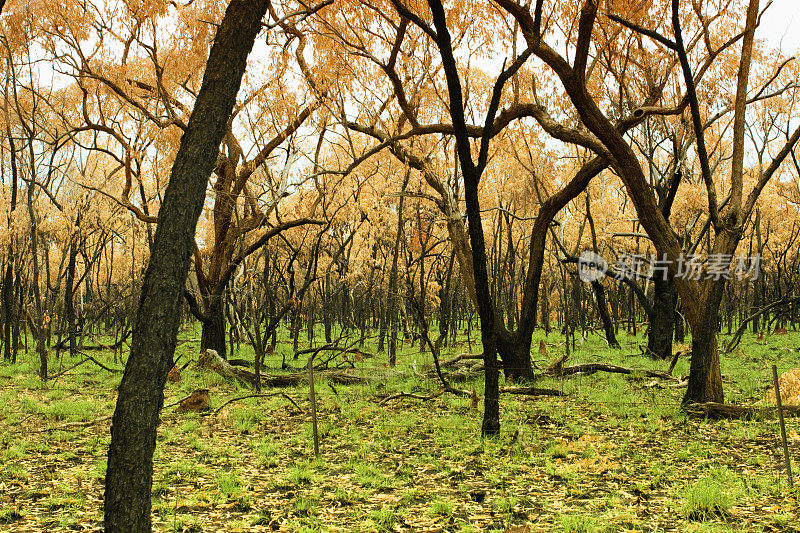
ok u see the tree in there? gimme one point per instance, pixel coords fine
(701, 298)
(133, 432)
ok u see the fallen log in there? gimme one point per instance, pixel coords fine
(558, 369)
(530, 391)
(591, 368)
(720, 411)
(658, 384)
(211, 360)
(451, 390)
(462, 357)
(460, 374)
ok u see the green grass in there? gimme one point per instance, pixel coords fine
(230, 484)
(588, 461)
(713, 495)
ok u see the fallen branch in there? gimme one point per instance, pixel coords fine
(67, 370)
(210, 359)
(86, 359)
(87, 423)
(70, 425)
(410, 395)
(98, 363)
(556, 366)
(530, 391)
(461, 357)
(556, 369)
(460, 373)
(658, 384)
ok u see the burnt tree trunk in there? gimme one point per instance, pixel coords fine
(605, 316)
(515, 353)
(662, 318)
(393, 299)
(10, 348)
(705, 378)
(213, 333)
(129, 477)
(69, 308)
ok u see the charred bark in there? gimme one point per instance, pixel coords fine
(141, 393)
(662, 319)
(213, 333)
(705, 378)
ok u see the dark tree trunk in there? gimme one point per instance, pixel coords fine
(8, 309)
(141, 393)
(15, 329)
(446, 301)
(394, 288)
(705, 378)
(546, 308)
(382, 326)
(295, 327)
(707, 386)
(602, 309)
(69, 308)
(10, 348)
(472, 174)
(327, 309)
(662, 319)
(515, 353)
(213, 335)
(310, 322)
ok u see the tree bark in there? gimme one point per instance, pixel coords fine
(515, 353)
(394, 295)
(10, 348)
(605, 316)
(213, 333)
(662, 319)
(705, 377)
(133, 432)
(69, 308)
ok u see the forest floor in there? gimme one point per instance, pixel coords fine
(611, 455)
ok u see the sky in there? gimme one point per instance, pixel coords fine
(781, 26)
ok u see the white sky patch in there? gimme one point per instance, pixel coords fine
(780, 26)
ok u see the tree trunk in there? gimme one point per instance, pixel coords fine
(515, 353)
(662, 319)
(705, 378)
(602, 308)
(69, 308)
(8, 308)
(382, 325)
(129, 475)
(10, 348)
(213, 335)
(680, 327)
(394, 288)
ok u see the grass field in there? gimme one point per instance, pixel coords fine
(613, 454)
